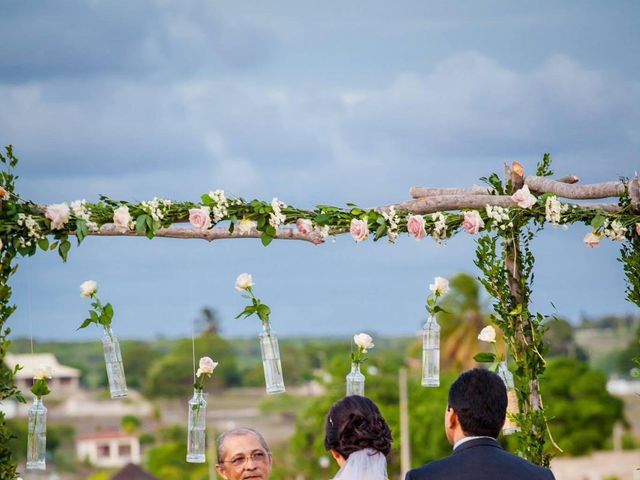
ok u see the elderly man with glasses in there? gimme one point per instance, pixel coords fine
(243, 454)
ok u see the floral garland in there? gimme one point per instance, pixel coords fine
(27, 227)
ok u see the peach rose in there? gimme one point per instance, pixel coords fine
(304, 226)
(359, 230)
(199, 218)
(592, 240)
(122, 218)
(415, 226)
(472, 222)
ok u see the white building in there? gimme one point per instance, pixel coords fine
(64, 380)
(108, 449)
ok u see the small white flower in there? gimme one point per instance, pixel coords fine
(43, 372)
(363, 341)
(592, 240)
(88, 288)
(488, 334)
(440, 286)
(244, 282)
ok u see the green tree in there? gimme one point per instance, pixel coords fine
(581, 412)
(561, 342)
(167, 459)
(209, 321)
(172, 376)
(629, 358)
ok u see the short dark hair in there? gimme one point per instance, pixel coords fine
(355, 423)
(238, 432)
(479, 398)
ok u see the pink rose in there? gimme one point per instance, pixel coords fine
(58, 213)
(592, 240)
(359, 230)
(304, 226)
(199, 217)
(472, 222)
(524, 198)
(415, 226)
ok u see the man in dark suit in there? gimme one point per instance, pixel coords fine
(473, 420)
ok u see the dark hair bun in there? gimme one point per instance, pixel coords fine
(355, 423)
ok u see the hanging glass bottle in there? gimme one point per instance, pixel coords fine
(197, 427)
(509, 426)
(37, 435)
(273, 378)
(355, 380)
(113, 362)
(431, 353)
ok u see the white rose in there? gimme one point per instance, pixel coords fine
(440, 286)
(88, 288)
(58, 213)
(364, 341)
(122, 218)
(488, 334)
(246, 226)
(244, 282)
(1, 244)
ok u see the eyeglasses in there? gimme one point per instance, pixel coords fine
(257, 457)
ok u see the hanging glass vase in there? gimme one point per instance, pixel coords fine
(273, 378)
(509, 426)
(355, 380)
(37, 435)
(431, 353)
(197, 427)
(113, 362)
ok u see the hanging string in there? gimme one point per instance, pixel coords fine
(29, 315)
(193, 349)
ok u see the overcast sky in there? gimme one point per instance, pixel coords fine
(315, 103)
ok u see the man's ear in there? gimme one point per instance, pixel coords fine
(453, 419)
(220, 470)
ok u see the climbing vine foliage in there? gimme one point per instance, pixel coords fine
(505, 225)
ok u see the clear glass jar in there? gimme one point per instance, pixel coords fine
(37, 435)
(355, 380)
(431, 353)
(113, 362)
(509, 426)
(197, 428)
(271, 364)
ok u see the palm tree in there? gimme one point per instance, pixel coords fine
(208, 321)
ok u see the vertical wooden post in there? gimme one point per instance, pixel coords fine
(405, 451)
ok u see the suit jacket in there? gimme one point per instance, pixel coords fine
(480, 459)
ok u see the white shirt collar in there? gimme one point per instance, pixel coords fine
(466, 439)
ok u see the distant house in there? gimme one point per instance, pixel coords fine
(64, 380)
(108, 449)
(132, 472)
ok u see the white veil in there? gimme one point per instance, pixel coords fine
(368, 464)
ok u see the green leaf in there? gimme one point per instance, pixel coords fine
(516, 311)
(266, 239)
(43, 243)
(85, 324)
(141, 224)
(597, 222)
(485, 357)
(107, 315)
(63, 251)
(53, 246)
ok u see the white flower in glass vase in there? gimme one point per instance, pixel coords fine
(364, 343)
(244, 282)
(440, 286)
(88, 288)
(206, 367)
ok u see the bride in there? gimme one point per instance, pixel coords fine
(359, 439)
